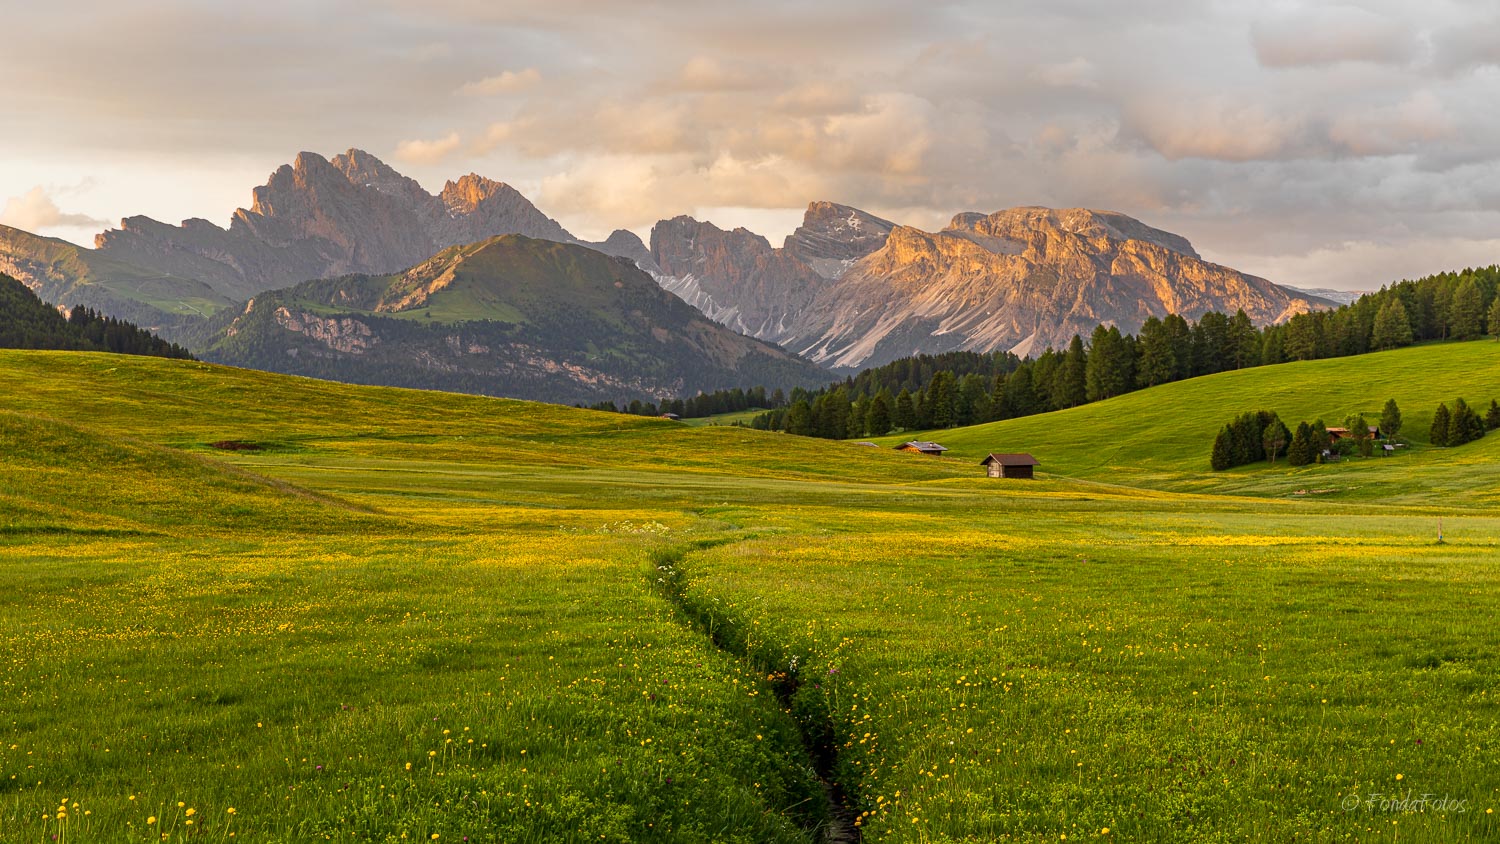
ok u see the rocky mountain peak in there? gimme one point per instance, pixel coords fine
(833, 236)
(466, 194)
(1026, 223)
(316, 218)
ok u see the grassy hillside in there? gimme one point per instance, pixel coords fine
(401, 614)
(507, 316)
(1162, 437)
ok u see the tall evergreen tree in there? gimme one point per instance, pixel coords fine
(1020, 396)
(878, 415)
(1466, 320)
(1244, 340)
(1069, 386)
(1464, 426)
(1359, 431)
(1108, 373)
(1392, 326)
(1493, 323)
(1300, 452)
(1390, 419)
(905, 414)
(1223, 453)
(1303, 337)
(1492, 416)
(1158, 361)
(1438, 433)
(799, 419)
(1320, 440)
(939, 400)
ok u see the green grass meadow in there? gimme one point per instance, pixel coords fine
(406, 615)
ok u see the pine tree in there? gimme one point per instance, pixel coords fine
(1464, 426)
(1390, 419)
(1320, 440)
(1020, 395)
(1180, 335)
(799, 419)
(1494, 318)
(1222, 457)
(1070, 384)
(1466, 313)
(1492, 416)
(1303, 337)
(878, 416)
(1438, 434)
(939, 401)
(905, 414)
(1300, 452)
(1244, 340)
(1359, 431)
(1392, 326)
(1110, 365)
(1158, 363)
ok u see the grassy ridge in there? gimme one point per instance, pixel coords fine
(1162, 437)
(997, 661)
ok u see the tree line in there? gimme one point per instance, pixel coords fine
(1261, 435)
(26, 322)
(953, 389)
(916, 394)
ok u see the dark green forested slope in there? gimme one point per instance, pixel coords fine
(26, 322)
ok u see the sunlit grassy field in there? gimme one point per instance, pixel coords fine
(409, 615)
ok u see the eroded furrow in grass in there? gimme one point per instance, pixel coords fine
(835, 821)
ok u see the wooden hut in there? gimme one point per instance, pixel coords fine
(922, 447)
(1010, 465)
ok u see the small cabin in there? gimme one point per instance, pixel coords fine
(922, 447)
(1341, 433)
(1010, 465)
(672, 416)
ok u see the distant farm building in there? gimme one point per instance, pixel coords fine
(1341, 433)
(672, 416)
(1010, 465)
(922, 447)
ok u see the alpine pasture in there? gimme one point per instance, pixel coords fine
(390, 615)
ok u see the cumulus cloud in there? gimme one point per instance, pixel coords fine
(35, 211)
(508, 82)
(1260, 131)
(428, 152)
(1216, 127)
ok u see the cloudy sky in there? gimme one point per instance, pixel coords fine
(1314, 143)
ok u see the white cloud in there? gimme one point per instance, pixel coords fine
(507, 82)
(35, 210)
(428, 152)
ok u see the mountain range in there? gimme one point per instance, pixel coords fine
(846, 290)
(510, 315)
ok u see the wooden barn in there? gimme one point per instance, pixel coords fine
(1010, 465)
(922, 447)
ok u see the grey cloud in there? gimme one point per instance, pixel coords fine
(1324, 35)
(1265, 139)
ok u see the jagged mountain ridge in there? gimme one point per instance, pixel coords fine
(316, 218)
(513, 316)
(849, 289)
